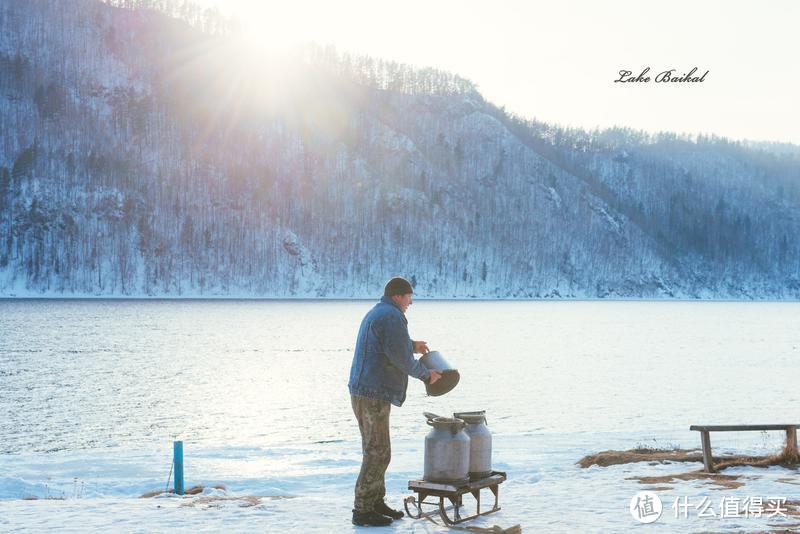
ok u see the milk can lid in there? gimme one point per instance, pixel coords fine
(472, 417)
(449, 423)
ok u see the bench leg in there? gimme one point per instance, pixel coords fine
(708, 461)
(791, 443)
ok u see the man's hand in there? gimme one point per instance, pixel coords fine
(421, 347)
(435, 375)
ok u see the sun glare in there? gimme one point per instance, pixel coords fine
(276, 26)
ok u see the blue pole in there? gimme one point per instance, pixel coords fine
(177, 455)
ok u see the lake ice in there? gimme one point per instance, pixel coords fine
(94, 392)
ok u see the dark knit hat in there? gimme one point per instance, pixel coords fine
(397, 286)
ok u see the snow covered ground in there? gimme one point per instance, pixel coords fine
(308, 488)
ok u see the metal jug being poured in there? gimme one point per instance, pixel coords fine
(450, 377)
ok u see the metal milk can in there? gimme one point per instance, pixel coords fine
(447, 452)
(480, 443)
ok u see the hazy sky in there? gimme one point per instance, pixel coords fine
(557, 61)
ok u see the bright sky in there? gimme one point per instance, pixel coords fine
(557, 61)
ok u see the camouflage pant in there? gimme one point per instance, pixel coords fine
(373, 422)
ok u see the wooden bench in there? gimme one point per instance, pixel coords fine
(708, 461)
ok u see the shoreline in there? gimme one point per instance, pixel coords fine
(137, 298)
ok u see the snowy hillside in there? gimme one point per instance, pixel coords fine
(142, 155)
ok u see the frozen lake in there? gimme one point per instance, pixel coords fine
(94, 392)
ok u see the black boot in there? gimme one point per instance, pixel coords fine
(370, 519)
(381, 508)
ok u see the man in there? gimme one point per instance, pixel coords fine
(382, 363)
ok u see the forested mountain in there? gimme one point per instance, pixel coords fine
(145, 151)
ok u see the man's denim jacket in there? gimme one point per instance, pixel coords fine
(384, 357)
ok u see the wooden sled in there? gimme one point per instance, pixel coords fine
(454, 494)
